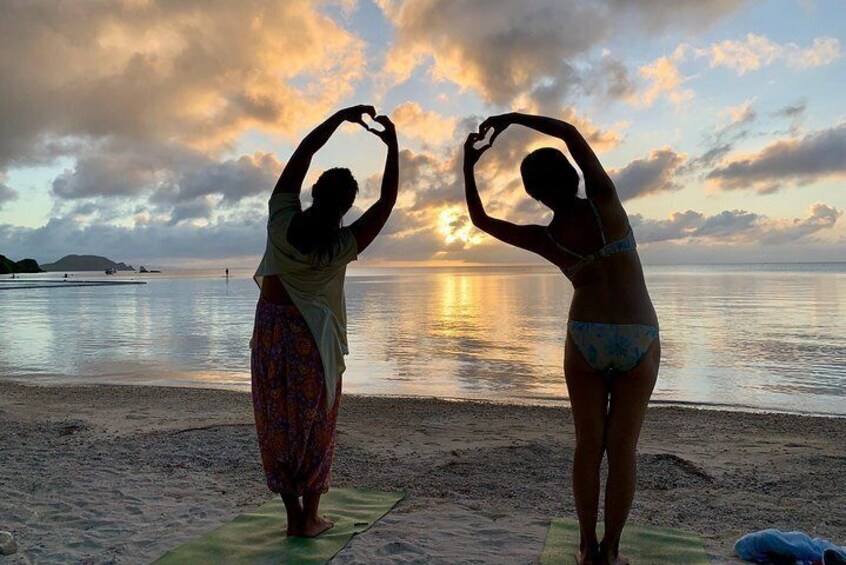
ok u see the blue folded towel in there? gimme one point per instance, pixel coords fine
(761, 547)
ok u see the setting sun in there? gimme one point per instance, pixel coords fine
(455, 227)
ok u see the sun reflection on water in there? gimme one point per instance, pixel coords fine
(762, 339)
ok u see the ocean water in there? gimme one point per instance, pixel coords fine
(760, 337)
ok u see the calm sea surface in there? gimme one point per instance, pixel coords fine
(769, 337)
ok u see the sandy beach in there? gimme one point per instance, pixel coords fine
(121, 474)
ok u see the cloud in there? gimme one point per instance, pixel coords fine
(757, 51)
(503, 49)
(653, 174)
(180, 72)
(715, 153)
(678, 226)
(600, 139)
(413, 121)
(196, 209)
(793, 111)
(346, 6)
(241, 238)
(177, 180)
(664, 80)
(721, 142)
(821, 217)
(7, 193)
(117, 168)
(730, 229)
(735, 227)
(233, 179)
(612, 80)
(149, 243)
(170, 173)
(496, 47)
(817, 156)
(654, 16)
(727, 224)
(741, 114)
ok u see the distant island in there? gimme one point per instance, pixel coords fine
(23, 266)
(85, 263)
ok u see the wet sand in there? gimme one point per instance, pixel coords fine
(121, 474)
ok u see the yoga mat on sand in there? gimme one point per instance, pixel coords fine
(259, 536)
(644, 545)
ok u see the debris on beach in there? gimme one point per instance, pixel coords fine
(8, 546)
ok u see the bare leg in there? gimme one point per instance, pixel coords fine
(630, 394)
(313, 524)
(295, 513)
(588, 394)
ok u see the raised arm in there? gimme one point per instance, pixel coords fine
(597, 182)
(525, 237)
(291, 179)
(367, 227)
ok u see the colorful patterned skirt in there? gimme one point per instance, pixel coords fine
(296, 434)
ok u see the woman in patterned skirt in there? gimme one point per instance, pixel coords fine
(299, 338)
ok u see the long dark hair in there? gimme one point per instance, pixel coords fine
(317, 231)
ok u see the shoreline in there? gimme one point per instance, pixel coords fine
(535, 401)
(122, 473)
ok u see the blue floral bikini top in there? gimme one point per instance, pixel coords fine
(625, 243)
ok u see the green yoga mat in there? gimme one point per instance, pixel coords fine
(259, 536)
(644, 545)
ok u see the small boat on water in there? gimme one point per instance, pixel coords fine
(110, 270)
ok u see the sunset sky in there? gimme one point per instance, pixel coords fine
(152, 132)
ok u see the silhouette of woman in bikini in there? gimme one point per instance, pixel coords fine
(612, 352)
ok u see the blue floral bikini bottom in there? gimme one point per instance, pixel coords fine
(612, 347)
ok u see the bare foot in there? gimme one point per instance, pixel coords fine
(606, 556)
(313, 528)
(587, 555)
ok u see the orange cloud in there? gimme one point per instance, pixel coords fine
(665, 80)
(757, 51)
(413, 121)
(174, 72)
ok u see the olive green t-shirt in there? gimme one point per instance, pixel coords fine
(315, 287)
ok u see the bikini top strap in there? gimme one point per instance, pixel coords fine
(561, 247)
(598, 221)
